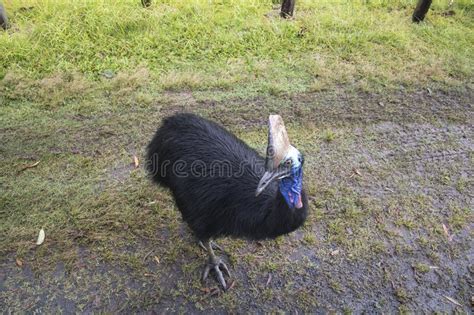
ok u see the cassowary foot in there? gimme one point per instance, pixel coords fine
(216, 264)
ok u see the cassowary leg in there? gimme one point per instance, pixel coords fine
(213, 244)
(215, 263)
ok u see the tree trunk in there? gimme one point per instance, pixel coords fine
(421, 9)
(287, 8)
(3, 17)
(146, 3)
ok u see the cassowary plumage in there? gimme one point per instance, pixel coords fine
(222, 187)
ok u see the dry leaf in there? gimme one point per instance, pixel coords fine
(231, 285)
(210, 292)
(269, 279)
(335, 252)
(216, 291)
(157, 259)
(445, 228)
(135, 161)
(446, 231)
(40, 237)
(148, 254)
(356, 171)
(206, 290)
(19, 263)
(29, 166)
(452, 300)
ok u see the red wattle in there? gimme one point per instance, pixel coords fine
(299, 204)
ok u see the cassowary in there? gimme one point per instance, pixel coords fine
(222, 187)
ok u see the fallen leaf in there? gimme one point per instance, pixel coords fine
(445, 228)
(205, 290)
(231, 285)
(446, 231)
(40, 237)
(216, 291)
(30, 166)
(452, 300)
(356, 171)
(19, 263)
(157, 259)
(269, 279)
(335, 252)
(210, 292)
(135, 161)
(148, 254)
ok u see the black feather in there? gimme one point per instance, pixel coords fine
(217, 203)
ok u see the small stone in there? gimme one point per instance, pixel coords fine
(109, 74)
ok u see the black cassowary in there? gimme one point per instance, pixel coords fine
(222, 187)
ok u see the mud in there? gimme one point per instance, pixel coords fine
(404, 160)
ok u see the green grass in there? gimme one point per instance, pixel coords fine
(84, 84)
(217, 44)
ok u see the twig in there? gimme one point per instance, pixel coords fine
(146, 256)
(29, 166)
(452, 300)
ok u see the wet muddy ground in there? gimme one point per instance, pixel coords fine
(390, 182)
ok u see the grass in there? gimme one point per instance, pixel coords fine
(95, 205)
(83, 85)
(211, 44)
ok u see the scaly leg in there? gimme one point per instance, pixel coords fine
(215, 263)
(213, 244)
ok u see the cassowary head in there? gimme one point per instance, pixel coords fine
(283, 163)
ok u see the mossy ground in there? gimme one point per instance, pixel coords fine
(382, 110)
(394, 169)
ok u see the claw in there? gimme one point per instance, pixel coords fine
(206, 272)
(220, 277)
(217, 266)
(224, 266)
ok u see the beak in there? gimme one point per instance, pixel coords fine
(277, 148)
(270, 176)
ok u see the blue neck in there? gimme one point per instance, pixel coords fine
(291, 186)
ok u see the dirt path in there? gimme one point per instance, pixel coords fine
(390, 228)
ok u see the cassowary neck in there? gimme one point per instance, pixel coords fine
(290, 188)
